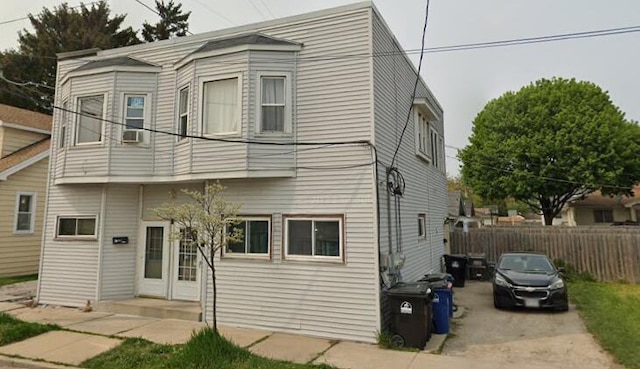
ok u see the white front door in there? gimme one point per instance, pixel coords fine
(153, 256)
(186, 271)
(167, 269)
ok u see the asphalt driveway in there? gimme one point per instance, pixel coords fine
(522, 337)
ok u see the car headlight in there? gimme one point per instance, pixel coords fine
(557, 284)
(500, 281)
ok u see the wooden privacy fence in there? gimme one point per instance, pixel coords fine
(608, 253)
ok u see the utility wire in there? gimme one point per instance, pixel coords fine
(415, 86)
(257, 9)
(204, 5)
(25, 18)
(268, 10)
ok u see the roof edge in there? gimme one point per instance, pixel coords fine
(24, 164)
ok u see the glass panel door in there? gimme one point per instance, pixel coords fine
(186, 273)
(154, 260)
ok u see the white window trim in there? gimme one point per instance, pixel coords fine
(93, 237)
(31, 229)
(316, 258)
(246, 255)
(77, 121)
(288, 103)
(64, 126)
(146, 116)
(422, 218)
(441, 160)
(180, 139)
(424, 155)
(214, 78)
(435, 150)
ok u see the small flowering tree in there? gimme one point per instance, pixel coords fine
(203, 222)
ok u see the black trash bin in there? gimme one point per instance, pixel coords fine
(456, 266)
(478, 267)
(411, 313)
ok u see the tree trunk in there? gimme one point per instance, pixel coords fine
(548, 216)
(215, 291)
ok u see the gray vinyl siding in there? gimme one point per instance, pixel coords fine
(69, 272)
(394, 78)
(118, 280)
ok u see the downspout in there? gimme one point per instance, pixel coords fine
(102, 218)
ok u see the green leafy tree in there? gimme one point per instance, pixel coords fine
(202, 221)
(550, 142)
(54, 31)
(173, 22)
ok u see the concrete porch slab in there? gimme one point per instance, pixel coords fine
(153, 308)
(287, 347)
(61, 347)
(242, 337)
(112, 325)
(365, 356)
(55, 315)
(7, 306)
(166, 331)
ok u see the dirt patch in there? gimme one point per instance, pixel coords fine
(18, 291)
(546, 339)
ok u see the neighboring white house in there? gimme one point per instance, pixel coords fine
(269, 98)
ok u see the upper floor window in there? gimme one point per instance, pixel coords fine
(272, 104)
(422, 135)
(254, 239)
(433, 142)
(25, 203)
(89, 126)
(63, 124)
(134, 111)
(422, 225)
(221, 113)
(314, 238)
(183, 113)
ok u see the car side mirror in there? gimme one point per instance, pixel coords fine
(561, 270)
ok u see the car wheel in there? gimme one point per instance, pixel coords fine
(496, 303)
(563, 308)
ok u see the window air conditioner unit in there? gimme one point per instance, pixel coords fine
(131, 136)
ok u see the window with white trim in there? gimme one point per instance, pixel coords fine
(433, 143)
(63, 124)
(314, 238)
(273, 95)
(254, 234)
(25, 205)
(221, 102)
(134, 111)
(422, 225)
(89, 123)
(76, 226)
(441, 160)
(183, 113)
(422, 135)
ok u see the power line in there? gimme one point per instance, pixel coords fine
(25, 18)
(257, 9)
(267, 7)
(204, 5)
(415, 86)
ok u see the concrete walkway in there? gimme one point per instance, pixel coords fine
(89, 334)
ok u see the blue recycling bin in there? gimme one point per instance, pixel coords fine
(440, 308)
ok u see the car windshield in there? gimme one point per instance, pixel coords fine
(526, 263)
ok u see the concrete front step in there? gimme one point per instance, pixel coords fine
(154, 308)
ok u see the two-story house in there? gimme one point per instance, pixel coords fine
(299, 118)
(24, 158)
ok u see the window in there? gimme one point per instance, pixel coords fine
(183, 113)
(254, 239)
(220, 112)
(272, 104)
(63, 124)
(82, 226)
(603, 216)
(89, 128)
(314, 238)
(25, 203)
(433, 142)
(422, 225)
(422, 135)
(134, 111)
(441, 153)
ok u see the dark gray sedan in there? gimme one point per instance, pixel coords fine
(529, 280)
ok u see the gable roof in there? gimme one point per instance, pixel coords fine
(25, 118)
(123, 61)
(248, 39)
(24, 157)
(597, 199)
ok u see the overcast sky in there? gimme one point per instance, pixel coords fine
(463, 81)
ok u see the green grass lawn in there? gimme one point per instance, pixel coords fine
(11, 280)
(612, 314)
(205, 350)
(13, 330)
